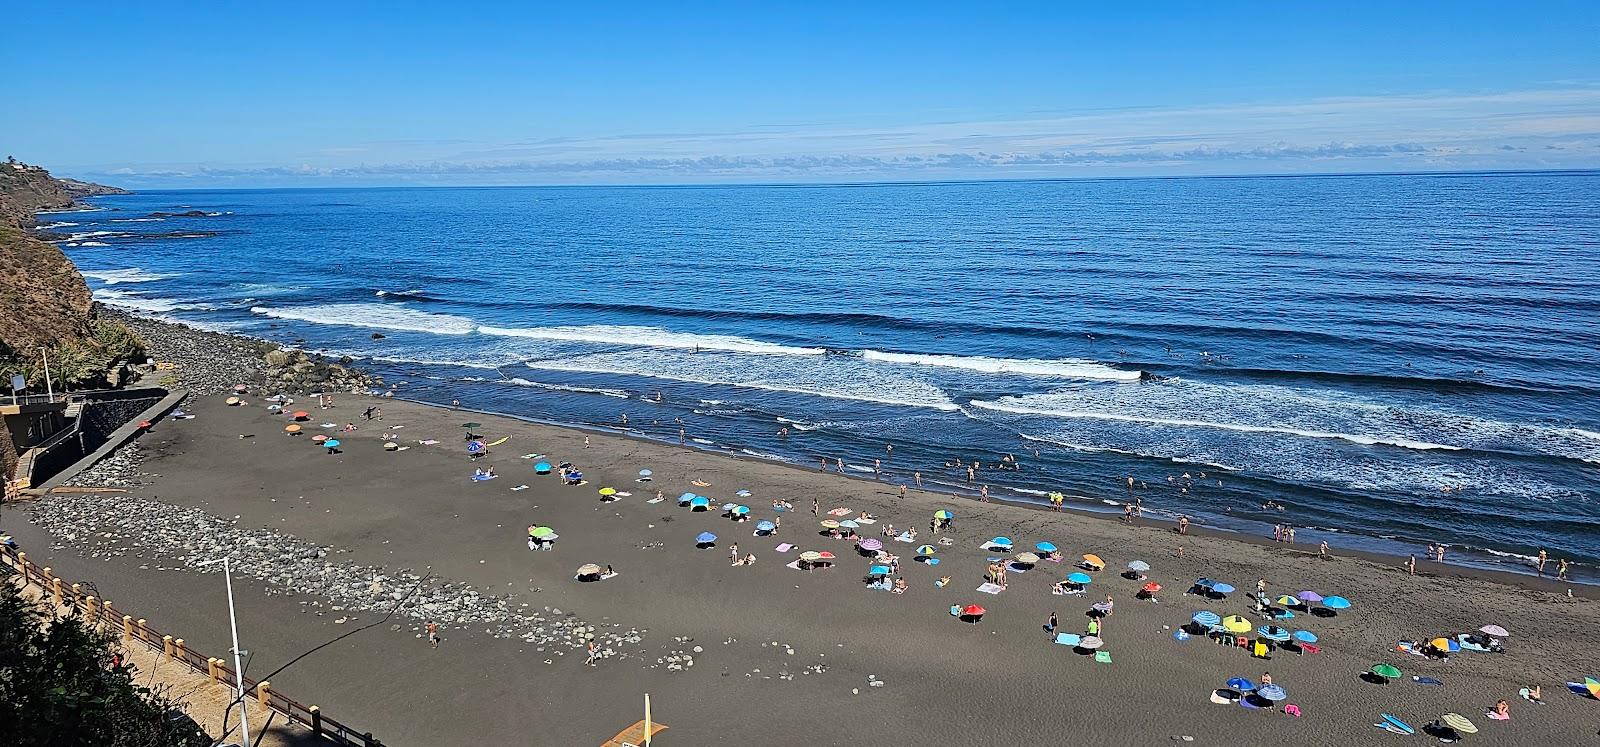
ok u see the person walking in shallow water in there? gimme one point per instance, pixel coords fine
(1544, 557)
(433, 634)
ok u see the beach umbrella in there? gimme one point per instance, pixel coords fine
(608, 491)
(765, 526)
(332, 443)
(1079, 578)
(705, 538)
(575, 476)
(300, 415)
(1495, 630)
(1044, 547)
(1001, 541)
(683, 500)
(645, 473)
(1459, 723)
(1091, 642)
(1236, 624)
(1288, 601)
(1442, 644)
(870, 544)
(926, 550)
(1150, 588)
(1386, 671)
(239, 387)
(973, 610)
(699, 502)
(1094, 560)
(824, 555)
(475, 447)
(743, 493)
(728, 506)
(1103, 608)
(1309, 596)
(391, 446)
(291, 429)
(1273, 633)
(1027, 558)
(1305, 636)
(1206, 618)
(878, 570)
(1336, 603)
(589, 569)
(943, 515)
(541, 532)
(1593, 686)
(542, 468)
(741, 510)
(1272, 692)
(810, 556)
(1138, 565)
(829, 524)
(472, 425)
(231, 401)
(319, 438)
(849, 524)
(1222, 588)
(1241, 684)
(1278, 614)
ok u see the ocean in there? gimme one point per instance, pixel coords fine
(1397, 360)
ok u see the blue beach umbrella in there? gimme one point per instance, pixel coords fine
(645, 473)
(741, 510)
(765, 526)
(683, 500)
(1272, 692)
(575, 475)
(699, 501)
(744, 494)
(705, 538)
(1305, 636)
(1273, 633)
(1001, 541)
(1044, 547)
(1206, 618)
(849, 524)
(1241, 684)
(1221, 588)
(474, 447)
(1138, 565)
(878, 570)
(542, 468)
(1079, 578)
(1336, 603)
(332, 443)
(1204, 583)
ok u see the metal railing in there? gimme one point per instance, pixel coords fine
(101, 612)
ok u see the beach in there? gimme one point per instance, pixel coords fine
(779, 656)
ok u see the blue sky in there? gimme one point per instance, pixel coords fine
(156, 94)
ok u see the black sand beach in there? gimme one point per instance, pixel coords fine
(779, 656)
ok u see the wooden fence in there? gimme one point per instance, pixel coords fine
(101, 612)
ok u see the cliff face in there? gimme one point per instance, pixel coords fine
(44, 302)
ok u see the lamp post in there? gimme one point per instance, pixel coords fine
(233, 623)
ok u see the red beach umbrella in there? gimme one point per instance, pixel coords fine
(301, 415)
(973, 610)
(1152, 588)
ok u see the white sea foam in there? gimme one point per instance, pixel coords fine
(137, 220)
(371, 315)
(653, 337)
(57, 224)
(1062, 368)
(91, 243)
(127, 275)
(94, 234)
(618, 393)
(137, 302)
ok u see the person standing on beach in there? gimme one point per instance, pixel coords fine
(1322, 551)
(682, 436)
(1411, 565)
(814, 504)
(594, 654)
(733, 552)
(777, 524)
(1561, 569)
(1289, 535)
(877, 467)
(1277, 532)
(1050, 625)
(983, 494)
(917, 477)
(433, 634)
(585, 442)
(1183, 524)
(1544, 557)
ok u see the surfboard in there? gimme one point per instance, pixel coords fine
(497, 443)
(1398, 724)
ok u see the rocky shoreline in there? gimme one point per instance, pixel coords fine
(207, 362)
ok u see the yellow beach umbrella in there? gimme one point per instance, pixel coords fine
(291, 428)
(1093, 559)
(1027, 558)
(1592, 685)
(811, 556)
(1443, 644)
(829, 524)
(1459, 723)
(589, 569)
(608, 491)
(1236, 624)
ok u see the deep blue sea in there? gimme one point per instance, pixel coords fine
(1398, 360)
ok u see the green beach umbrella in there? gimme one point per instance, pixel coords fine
(926, 550)
(608, 491)
(1459, 723)
(1386, 671)
(538, 532)
(943, 515)
(472, 425)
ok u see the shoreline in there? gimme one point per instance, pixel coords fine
(1582, 586)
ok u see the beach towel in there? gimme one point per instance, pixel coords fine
(655, 500)
(992, 547)
(785, 547)
(612, 574)
(1497, 716)
(700, 483)
(839, 512)
(428, 441)
(866, 521)
(519, 487)
(1058, 591)
(795, 564)
(932, 561)
(530, 456)
(1014, 568)
(483, 478)
(988, 588)
(1291, 710)
(905, 537)
(1068, 639)
(1425, 680)
(1102, 657)
(498, 442)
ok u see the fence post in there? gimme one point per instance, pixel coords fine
(316, 720)
(212, 670)
(127, 626)
(90, 608)
(22, 561)
(77, 595)
(55, 588)
(106, 611)
(264, 694)
(166, 645)
(178, 652)
(144, 632)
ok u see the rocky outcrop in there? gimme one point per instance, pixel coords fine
(89, 189)
(212, 363)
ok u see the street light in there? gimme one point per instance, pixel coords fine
(233, 623)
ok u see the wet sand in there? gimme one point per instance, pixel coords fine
(999, 680)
